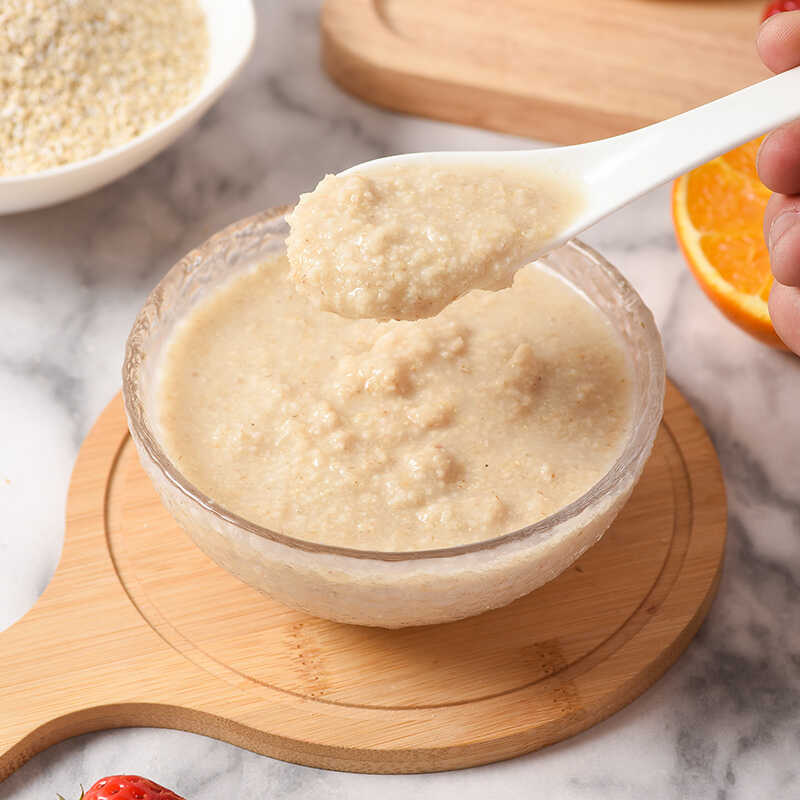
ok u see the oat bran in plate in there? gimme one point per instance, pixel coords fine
(78, 77)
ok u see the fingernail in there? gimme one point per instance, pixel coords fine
(781, 224)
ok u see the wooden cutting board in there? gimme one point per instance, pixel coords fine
(566, 71)
(139, 627)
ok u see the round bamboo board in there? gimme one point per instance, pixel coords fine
(139, 627)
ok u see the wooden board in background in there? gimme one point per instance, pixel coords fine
(139, 627)
(564, 71)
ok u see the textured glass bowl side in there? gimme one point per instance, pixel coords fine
(378, 588)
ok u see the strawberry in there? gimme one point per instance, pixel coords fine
(777, 6)
(127, 787)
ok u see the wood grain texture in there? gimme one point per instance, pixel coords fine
(139, 627)
(564, 72)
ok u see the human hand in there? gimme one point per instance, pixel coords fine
(779, 169)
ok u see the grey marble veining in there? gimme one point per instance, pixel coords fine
(723, 723)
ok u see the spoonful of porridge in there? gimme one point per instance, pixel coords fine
(404, 236)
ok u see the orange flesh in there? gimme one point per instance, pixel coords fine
(718, 211)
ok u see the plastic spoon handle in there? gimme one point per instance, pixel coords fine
(627, 166)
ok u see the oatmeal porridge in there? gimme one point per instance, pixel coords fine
(394, 435)
(402, 242)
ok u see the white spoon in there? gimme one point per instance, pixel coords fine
(617, 170)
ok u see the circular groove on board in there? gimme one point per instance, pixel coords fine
(518, 678)
(208, 614)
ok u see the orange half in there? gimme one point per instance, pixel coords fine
(718, 211)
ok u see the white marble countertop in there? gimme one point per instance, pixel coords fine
(725, 720)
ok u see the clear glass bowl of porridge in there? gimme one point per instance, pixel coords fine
(387, 589)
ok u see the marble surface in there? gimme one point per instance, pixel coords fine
(723, 723)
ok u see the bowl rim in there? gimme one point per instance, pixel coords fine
(205, 95)
(643, 429)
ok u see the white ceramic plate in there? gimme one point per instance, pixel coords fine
(231, 30)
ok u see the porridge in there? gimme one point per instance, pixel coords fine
(404, 241)
(396, 435)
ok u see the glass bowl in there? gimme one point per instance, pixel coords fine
(386, 589)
